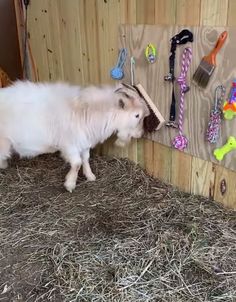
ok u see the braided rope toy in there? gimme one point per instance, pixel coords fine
(214, 124)
(117, 72)
(180, 142)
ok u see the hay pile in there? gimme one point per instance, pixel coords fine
(126, 237)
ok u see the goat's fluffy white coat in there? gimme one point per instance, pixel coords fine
(37, 118)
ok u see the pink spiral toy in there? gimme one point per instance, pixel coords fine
(180, 142)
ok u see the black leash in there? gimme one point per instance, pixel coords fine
(181, 38)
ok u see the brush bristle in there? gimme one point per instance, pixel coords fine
(150, 122)
(203, 73)
(154, 121)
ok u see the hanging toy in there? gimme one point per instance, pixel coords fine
(213, 129)
(180, 142)
(151, 53)
(181, 38)
(228, 147)
(117, 72)
(229, 107)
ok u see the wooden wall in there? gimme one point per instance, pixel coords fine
(77, 40)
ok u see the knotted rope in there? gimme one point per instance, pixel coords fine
(180, 141)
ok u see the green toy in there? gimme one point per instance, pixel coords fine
(219, 153)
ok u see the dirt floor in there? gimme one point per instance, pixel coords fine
(125, 237)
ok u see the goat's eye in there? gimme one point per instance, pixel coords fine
(137, 115)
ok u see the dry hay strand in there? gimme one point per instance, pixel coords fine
(125, 237)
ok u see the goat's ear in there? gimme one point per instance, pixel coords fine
(121, 104)
(124, 93)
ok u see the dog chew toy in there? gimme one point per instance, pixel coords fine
(151, 53)
(219, 153)
(229, 107)
(213, 129)
(117, 72)
(180, 142)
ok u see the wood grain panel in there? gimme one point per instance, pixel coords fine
(37, 24)
(78, 41)
(188, 12)
(162, 162)
(222, 173)
(203, 178)
(197, 102)
(181, 169)
(228, 198)
(145, 11)
(214, 12)
(231, 21)
(165, 11)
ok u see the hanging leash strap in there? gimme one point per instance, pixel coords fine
(117, 72)
(180, 142)
(183, 37)
(214, 124)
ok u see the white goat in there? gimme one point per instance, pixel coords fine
(37, 118)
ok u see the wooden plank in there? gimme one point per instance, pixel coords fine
(231, 20)
(148, 156)
(188, 12)
(145, 11)
(214, 12)
(202, 177)
(228, 198)
(128, 11)
(90, 40)
(165, 11)
(203, 172)
(162, 162)
(180, 170)
(38, 29)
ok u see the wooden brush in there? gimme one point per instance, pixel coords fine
(154, 121)
(207, 65)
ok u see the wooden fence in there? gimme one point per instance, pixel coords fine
(77, 40)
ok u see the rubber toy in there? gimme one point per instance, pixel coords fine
(151, 53)
(219, 153)
(229, 106)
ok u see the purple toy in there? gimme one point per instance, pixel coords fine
(214, 124)
(180, 142)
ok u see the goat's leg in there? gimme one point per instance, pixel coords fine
(86, 166)
(5, 152)
(75, 161)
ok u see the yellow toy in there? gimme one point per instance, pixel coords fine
(151, 53)
(219, 153)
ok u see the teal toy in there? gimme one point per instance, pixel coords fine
(117, 72)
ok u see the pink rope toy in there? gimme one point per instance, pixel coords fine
(180, 142)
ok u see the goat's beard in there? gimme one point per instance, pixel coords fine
(121, 142)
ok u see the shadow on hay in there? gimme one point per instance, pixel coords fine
(125, 237)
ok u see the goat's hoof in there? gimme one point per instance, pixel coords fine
(3, 164)
(69, 186)
(91, 177)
